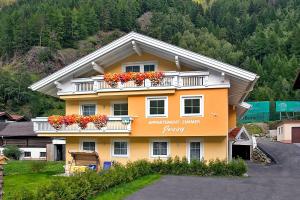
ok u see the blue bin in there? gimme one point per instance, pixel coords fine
(107, 165)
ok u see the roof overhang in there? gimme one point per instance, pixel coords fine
(241, 81)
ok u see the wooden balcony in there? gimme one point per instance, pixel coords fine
(172, 80)
(114, 125)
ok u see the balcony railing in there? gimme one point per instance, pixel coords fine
(114, 125)
(171, 80)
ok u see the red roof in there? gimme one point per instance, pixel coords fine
(13, 117)
(17, 117)
(233, 133)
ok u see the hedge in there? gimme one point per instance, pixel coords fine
(85, 185)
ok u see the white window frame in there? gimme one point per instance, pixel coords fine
(112, 107)
(148, 99)
(113, 148)
(88, 140)
(81, 104)
(160, 156)
(188, 141)
(141, 64)
(183, 97)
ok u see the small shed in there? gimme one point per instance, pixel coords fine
(288, 131)
(241, 144)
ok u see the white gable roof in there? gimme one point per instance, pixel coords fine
(122, 47)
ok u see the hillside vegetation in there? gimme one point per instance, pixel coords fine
(38, 37)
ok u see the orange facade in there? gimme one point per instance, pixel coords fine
(210, 128)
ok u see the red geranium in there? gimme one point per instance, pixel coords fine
(56, 121)
(70, 119)
(111, 79)
(139, 78)
(155, 77)
(99, 120)
(83, 121)
(125, 77)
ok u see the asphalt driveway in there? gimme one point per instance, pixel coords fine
(280, 181)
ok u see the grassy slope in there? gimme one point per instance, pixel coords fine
(19, 176)
(122, 191)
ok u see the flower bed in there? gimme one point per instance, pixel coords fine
(112, 79)
(86, 185)
(57, 121)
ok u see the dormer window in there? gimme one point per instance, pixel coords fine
(140, 67)
(149, 68)
(133, 68)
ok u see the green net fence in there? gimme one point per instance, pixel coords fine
(265, 111)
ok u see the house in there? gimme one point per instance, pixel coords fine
(241, 143)
(288, 131)
(4, 117)
(21, 134)
(187, 112)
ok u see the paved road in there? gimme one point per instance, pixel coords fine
(280, 181)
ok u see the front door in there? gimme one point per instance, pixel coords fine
(194, 150)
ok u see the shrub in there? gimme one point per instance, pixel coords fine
(12, 152)
(218, 167)
(37, 166)
(85, 185)
(237, 167)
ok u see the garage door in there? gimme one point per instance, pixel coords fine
(241, 151)
(296, 135)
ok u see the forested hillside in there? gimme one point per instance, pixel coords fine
(38, 37)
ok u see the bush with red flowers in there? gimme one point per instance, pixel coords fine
(70, 119)
(139, 78)
(155, 77)
(82, 121)
(56, 121)
(111, 79)
(99, 121)
(125, 77)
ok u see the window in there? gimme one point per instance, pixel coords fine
(27, 154)
(157, 106)
(42, 154)
(120, 148)
(146, 66)
(88, 146)
(149, 68)
(191, 106)
(120, 109)
(160, 149)
(134, 68)
(195, 151)
(88, 109)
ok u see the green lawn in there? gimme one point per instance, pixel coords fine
(122, 191)
(18, 176)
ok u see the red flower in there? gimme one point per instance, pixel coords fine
(99, 120)
(56, 121)
(83, 121)
(70, 119)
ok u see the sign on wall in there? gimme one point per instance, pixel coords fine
(174, 126)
